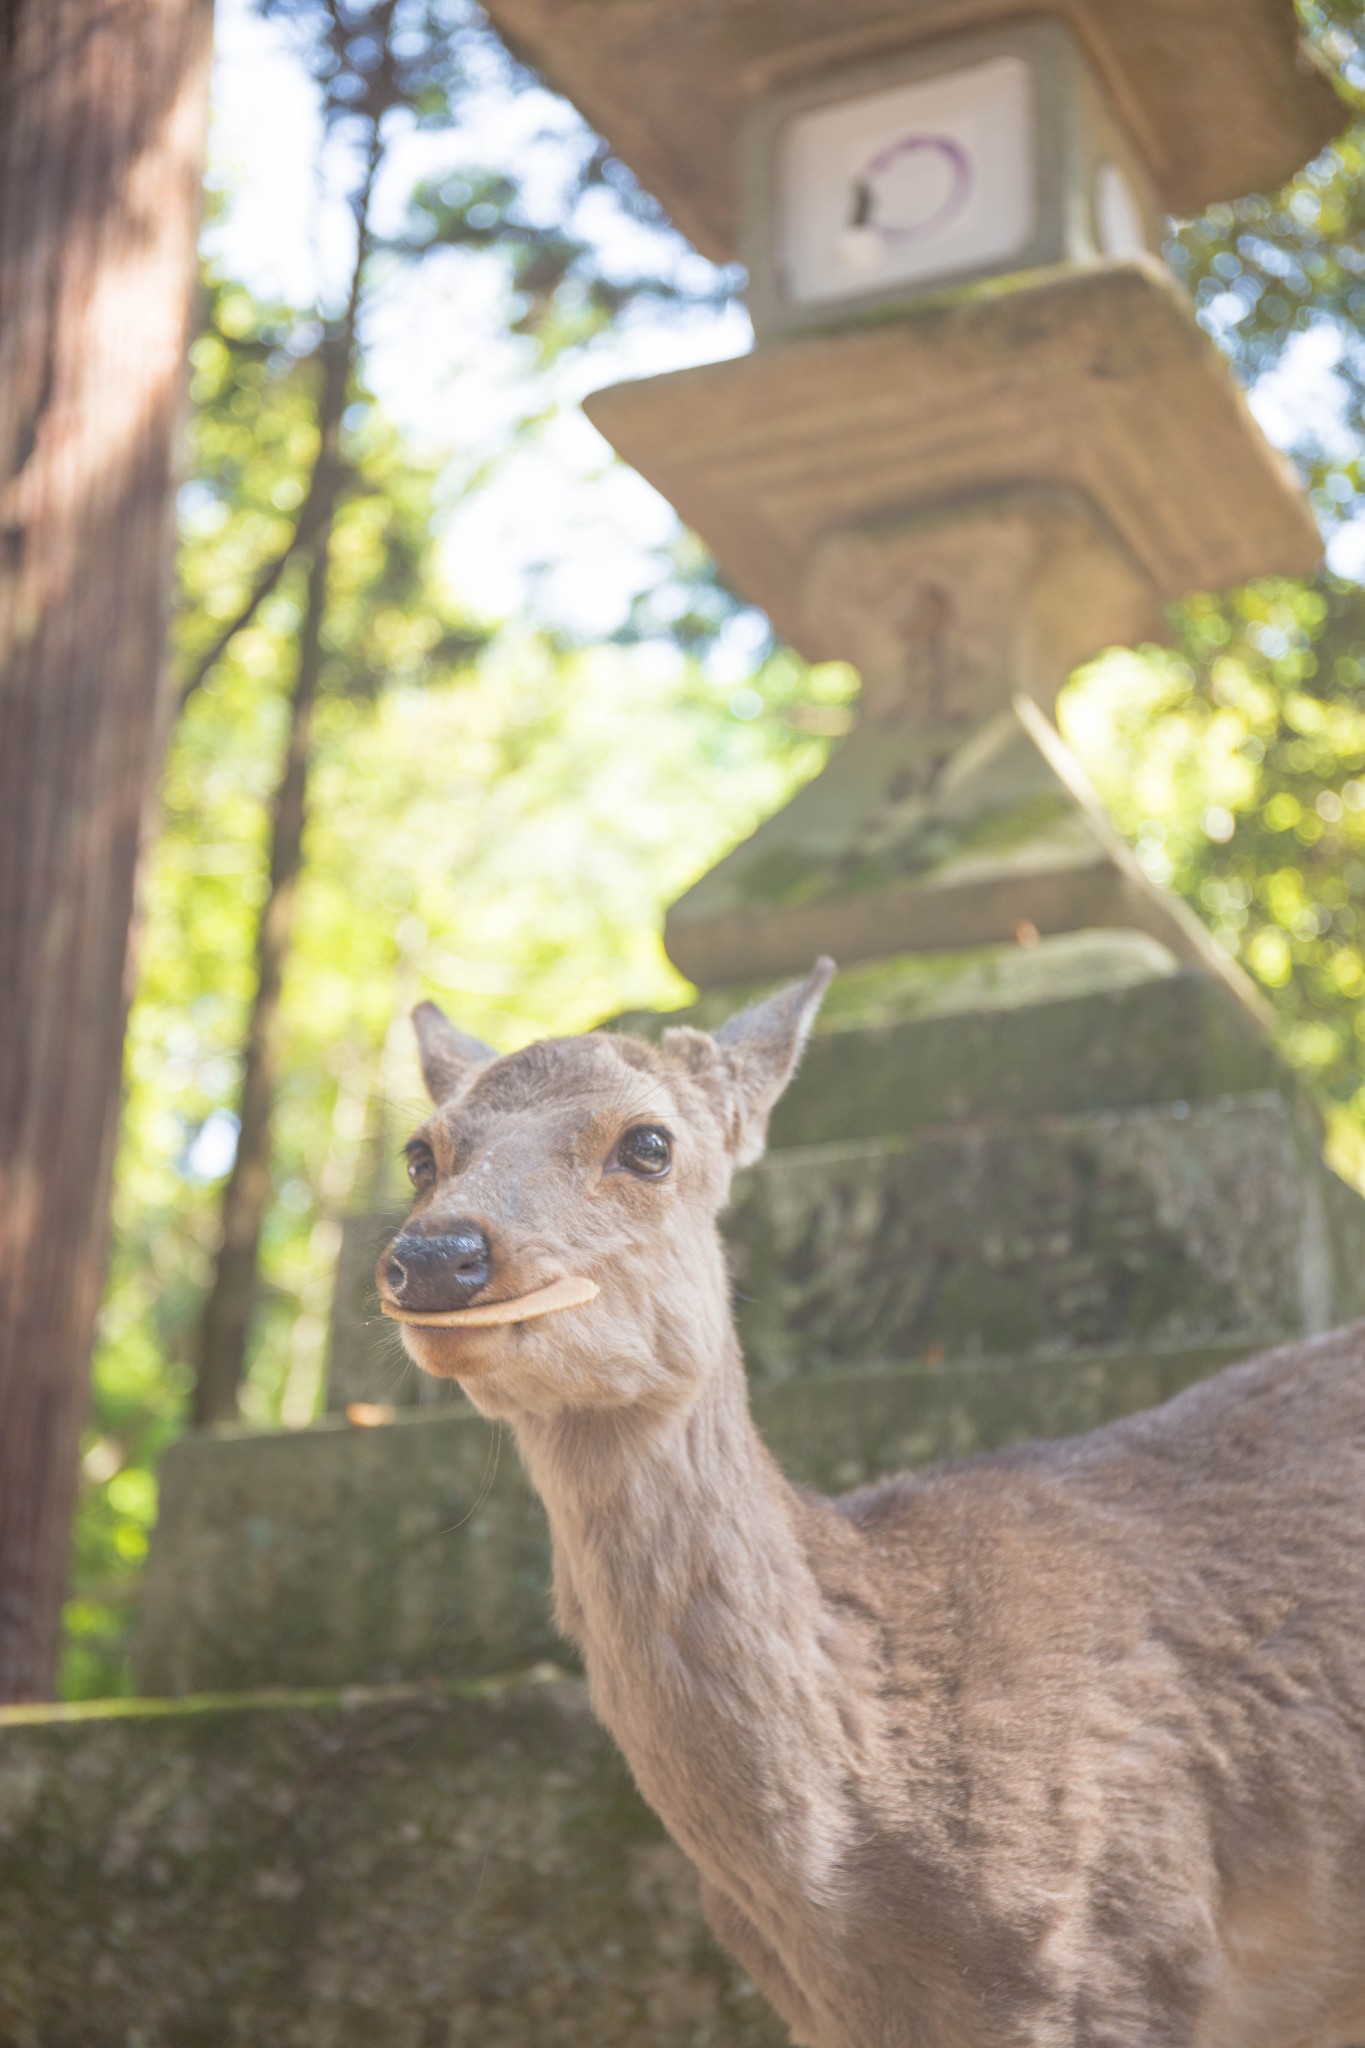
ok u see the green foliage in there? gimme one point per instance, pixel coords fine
(481, 809)
(253, 442)
(1236, 763)
(1267, 270)
(563, 294)
(253, 446)
(367, 56)
(1237, 767)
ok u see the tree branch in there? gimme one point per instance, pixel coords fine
(311, 515)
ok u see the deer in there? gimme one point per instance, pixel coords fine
(1059, 1747)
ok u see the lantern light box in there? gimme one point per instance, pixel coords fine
(975, 156)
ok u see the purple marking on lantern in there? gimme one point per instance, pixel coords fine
(959, 166)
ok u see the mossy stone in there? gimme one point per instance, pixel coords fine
(417, 1550)
(442, 1868)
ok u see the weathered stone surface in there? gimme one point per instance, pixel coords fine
(365, 1357)
(947, 614)
(904, 845)
(333, 1554)
(836, 1436)
(871, 994)
(1171, 1037)
(1217, 96)
(1344, 1220)
(953, 812)
(1059, 1232)
(1093, 1021)
(423, 1870)
(1099, 381)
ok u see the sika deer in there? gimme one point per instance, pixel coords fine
(1062, 1748)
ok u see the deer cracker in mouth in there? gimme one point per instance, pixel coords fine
(1064, 1748)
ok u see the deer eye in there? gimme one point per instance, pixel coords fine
(421, 1164)
(647, 1151)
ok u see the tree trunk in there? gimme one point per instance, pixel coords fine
(225, 1320)
(102, 119)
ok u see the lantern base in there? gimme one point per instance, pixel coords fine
(1009, 843)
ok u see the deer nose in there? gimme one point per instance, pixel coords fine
(435, 1273)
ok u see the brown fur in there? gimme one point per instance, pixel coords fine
(1063, 1748)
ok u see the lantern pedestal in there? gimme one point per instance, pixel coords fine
(953, 816)
(965, 505)
(895, 849)
(1099, 382)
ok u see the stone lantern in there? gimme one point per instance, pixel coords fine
(965, 503)
(981, 437)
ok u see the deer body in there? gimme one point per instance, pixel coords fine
(1063, 1748)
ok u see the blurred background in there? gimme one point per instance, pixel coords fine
(459, 707)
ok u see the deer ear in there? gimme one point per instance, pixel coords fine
(450, 1058)
(753, 1057)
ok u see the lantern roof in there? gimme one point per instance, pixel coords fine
(1097, 381)
(1220, 96)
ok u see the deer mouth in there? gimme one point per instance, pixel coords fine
(518, 1308)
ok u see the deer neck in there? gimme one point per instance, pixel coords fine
(704, 1592)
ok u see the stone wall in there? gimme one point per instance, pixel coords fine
(416, 1550)
(447, 1868)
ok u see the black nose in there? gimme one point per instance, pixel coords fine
(434, 1273)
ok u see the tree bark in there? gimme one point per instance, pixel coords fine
(102, 121)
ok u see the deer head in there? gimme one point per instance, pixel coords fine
(562, 1250)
